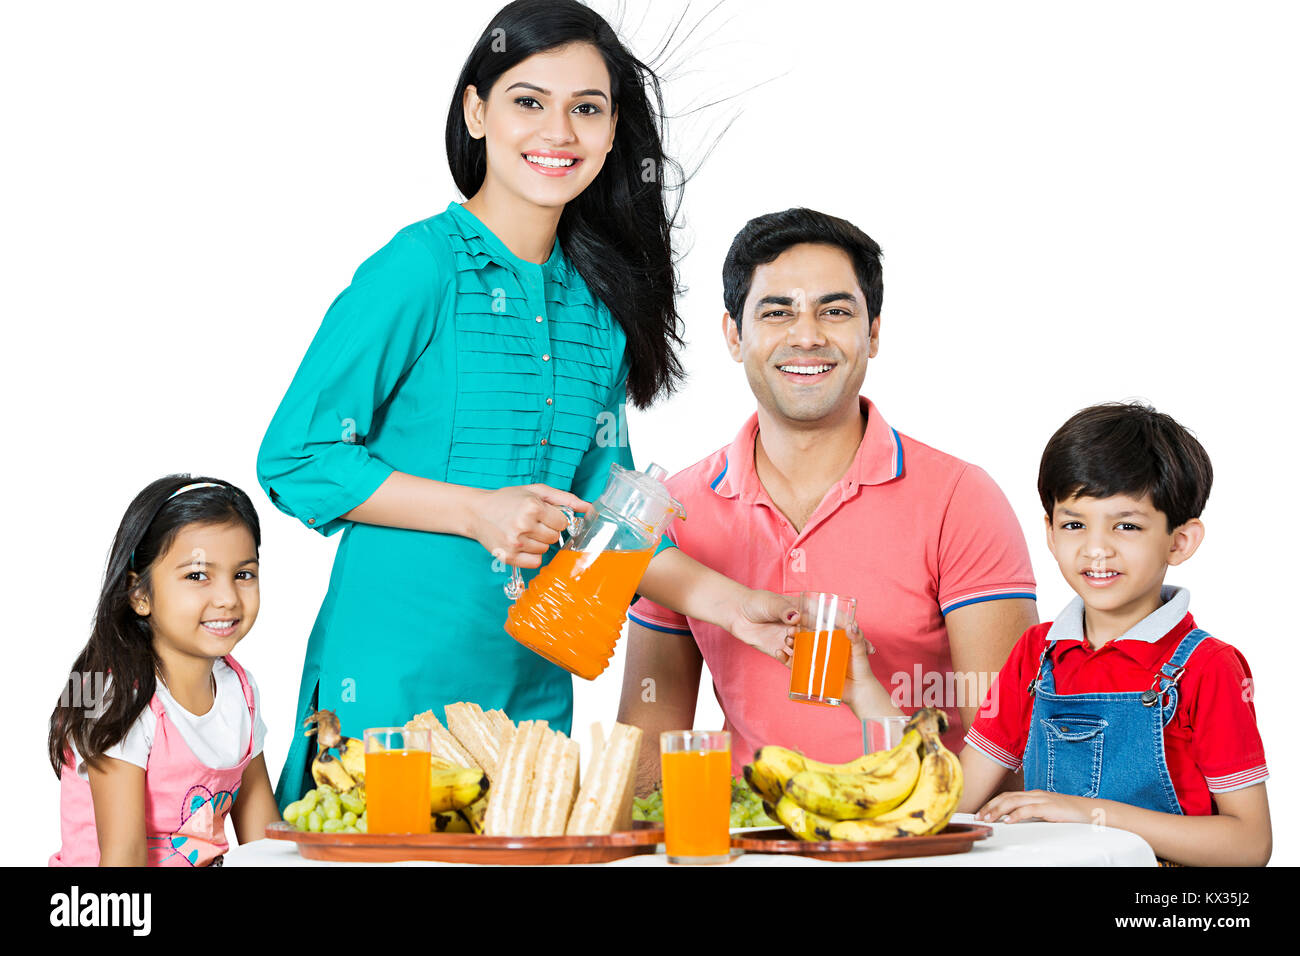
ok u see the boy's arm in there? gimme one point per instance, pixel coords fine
(255, 808)
(1240, 834)
(982, 777)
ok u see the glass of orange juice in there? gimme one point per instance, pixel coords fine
(821, 647)
(697, 795)
(397, 780)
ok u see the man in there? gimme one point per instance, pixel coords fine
(819, 493)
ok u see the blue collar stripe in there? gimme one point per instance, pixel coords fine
(716, 481)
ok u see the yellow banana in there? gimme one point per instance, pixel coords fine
(450, 822)
(456, 788)
(803, 824)
(352, 754)
(854, 796)
(475, 813)
(774, 765)
(927, 810)
(327, 770)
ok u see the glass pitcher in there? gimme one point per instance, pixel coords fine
(572, 613)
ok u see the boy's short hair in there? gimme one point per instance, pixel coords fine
(764, 238)
(1127, 448)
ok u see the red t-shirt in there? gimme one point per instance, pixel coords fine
(1212, 744)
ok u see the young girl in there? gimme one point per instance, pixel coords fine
(163, 736)
(471, 381)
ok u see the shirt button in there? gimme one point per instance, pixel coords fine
(543, 441)
(311, 520)
(546, 358)
(539, 318)
(550, 401)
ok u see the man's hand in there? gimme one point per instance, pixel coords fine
(766, 620)
(1018, 807)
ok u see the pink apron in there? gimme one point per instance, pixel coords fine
(185, 802)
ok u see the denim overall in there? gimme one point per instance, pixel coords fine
(1066, 750)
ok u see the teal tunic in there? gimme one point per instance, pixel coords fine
(450, 358)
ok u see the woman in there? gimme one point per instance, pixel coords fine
(449, 405)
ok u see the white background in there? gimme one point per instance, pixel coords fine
(1076, 203)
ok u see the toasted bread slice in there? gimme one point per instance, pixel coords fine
(510, 791)
(442, 743)
(555, 786)
(475, 734)
(605, 800)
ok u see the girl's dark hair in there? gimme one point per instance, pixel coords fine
(1127, 448)
(617, 232)
(764, 238)
(121, 642)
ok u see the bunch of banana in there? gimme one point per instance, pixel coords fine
(451, 786)
(911, 790)
(343, 772)
(454, 788)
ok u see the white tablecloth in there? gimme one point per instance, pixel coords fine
(1012, 844)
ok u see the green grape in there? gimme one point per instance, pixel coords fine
(308, 801)
(332, 826)
(353, 802)
(315, 822)
(361, 823)
(333, 808)
(349, 830)
(349, 818)
(293, 811)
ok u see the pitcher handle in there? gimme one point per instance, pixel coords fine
(514, 588)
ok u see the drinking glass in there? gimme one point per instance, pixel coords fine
(697, 795)
(397, 780)
(821, 647)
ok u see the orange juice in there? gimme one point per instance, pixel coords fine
(697, 803)
(572, 613)
(397, 791)
(820, 664)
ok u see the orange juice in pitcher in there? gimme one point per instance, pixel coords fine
(572, 612)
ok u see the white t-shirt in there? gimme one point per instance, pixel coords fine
(216, 738)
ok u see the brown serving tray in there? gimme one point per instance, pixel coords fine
(955, 838)
(467, 847)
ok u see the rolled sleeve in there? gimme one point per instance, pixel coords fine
(313, 462)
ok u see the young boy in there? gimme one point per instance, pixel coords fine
(1122, 712)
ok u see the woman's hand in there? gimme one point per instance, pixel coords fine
(765, 620)
(518, 524)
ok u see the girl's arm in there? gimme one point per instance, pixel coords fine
(255, 808)
(1240, 834)
(118, 793)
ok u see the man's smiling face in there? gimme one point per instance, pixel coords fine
(805, 336)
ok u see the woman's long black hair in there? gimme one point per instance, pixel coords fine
(121, 642)
(617, 232)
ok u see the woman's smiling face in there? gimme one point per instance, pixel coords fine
(548, 123)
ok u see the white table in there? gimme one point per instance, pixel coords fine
(1012, 844)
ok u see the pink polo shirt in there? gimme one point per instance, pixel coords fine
(910, 532)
